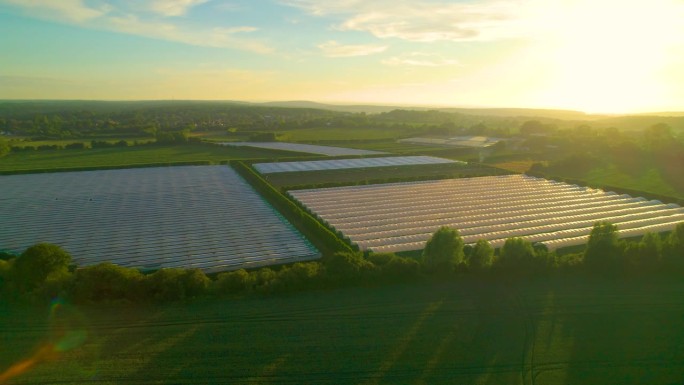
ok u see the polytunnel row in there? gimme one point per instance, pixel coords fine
(340, 164)
(374, 212)
(516, 215)
(469, 227)
(542, 231)
(437, 203)
(403, 216)
(417, 187)
(194, 216)
(433, 194)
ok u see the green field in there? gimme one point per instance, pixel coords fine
(333, 133)
(649, 181)
(126, 156)
(572, 330)
(374, 174)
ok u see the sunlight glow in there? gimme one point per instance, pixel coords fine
(609, 56)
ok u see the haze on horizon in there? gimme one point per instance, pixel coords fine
(593, 56)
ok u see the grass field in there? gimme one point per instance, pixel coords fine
(123, 156)
(520, 166)
(333, 133)
(353, 176)
(25, 142)
(650, 180)
(570, 330)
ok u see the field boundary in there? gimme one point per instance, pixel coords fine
(318, 233)
(107, 167)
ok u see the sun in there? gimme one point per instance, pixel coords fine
(610, 56)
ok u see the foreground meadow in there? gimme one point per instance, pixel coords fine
(560, 330)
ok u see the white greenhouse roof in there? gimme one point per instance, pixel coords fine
(193, 216)
(339, 164)
(457, 141)
(306, 148)
(403, 216)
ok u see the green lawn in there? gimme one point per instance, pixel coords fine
(571, 330)
(354, 176)
(123, 156)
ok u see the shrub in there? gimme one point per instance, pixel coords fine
(516, 254)
(75, 146)
(175, 284)
(107, 282)
(232, 282)
(299, 276)
(673, 249)
(392, 267)
(603, 249)
(481, 257)
(37, 263)
(444, 251)
(349, 266)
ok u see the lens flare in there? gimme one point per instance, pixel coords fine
(67, 332)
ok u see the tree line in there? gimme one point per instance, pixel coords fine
(45, 271)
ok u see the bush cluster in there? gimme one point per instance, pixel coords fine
(44, 271)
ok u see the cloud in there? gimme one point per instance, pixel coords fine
(174, 7)
(214, 37)
(334, 49)
(135, 19)
(72, 10)
(420, 59)
(424, 21)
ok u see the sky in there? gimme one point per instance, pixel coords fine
(608, 56)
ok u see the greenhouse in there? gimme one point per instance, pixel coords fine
(403, 216)
(340, 164)
(196, 216)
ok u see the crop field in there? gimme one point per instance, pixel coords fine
(397, 217)
(575, 330)
(374, 174)
(195, 216)
(303, 148)
(127, 156)
(339, 164)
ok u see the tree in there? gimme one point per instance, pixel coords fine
(175, 284)
(443, 251)
(673, 250)
(342, 266)
(299, 276)
(532, 127)
(652, 248)
(393, 267)
(481, 256)
(603, 248)
(107, 282)
(232, 282)
(4, 147)
(38, 262)
(517, 254)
